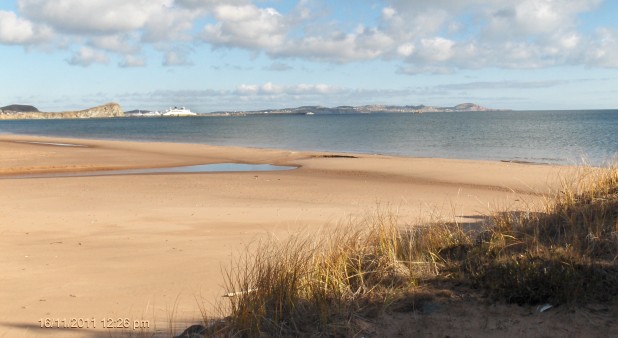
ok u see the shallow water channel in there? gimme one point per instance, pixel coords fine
(200, 168)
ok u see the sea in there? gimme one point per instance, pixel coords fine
(554, 137)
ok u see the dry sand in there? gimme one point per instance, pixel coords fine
(149, 247)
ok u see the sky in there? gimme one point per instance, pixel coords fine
(211, 55)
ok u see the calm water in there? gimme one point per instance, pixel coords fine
(200, 168)
(563, 137)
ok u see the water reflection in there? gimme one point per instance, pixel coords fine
(202, 168)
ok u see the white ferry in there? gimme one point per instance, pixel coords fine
(182, 111)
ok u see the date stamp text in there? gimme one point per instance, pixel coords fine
(93, 323)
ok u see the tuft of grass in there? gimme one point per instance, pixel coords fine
(564, 254)
(329, 281)
(332, 282)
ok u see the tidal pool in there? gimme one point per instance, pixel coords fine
(200, 168)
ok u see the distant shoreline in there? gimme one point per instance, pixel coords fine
(109, 110)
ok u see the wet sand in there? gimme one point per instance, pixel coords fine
(147, 247)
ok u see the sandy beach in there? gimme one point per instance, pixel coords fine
(149, 248)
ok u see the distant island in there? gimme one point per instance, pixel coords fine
(367, 109)
(113, 110)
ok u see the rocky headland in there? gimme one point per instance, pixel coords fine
(19, 108)
(23, 112)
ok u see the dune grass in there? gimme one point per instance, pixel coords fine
(321, 283)
(329, 283)
(567, 253)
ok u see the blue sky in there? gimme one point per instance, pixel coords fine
(212, 55)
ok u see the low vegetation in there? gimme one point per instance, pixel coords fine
(329, 284)
(566, 254)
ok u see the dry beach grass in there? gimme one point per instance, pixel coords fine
(335, 282)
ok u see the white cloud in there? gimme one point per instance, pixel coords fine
(538, 33)
(422, 36)
(122, 44)
(117, 26)
(549, 16)
(406, 49)
(569, 40)
(265, 29)
(436, 49)
(270, 89)
(604, 49)
(499, 85)
(476, 33)
(339, 47)
(15, 30)
(170, 24)
(208, 4)
(388, 13)
(245, 89)
(155, 20)
(246, 26)
(87, 56)
(93, 16)
(132, 61)
(176, 57)
(313, 89)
